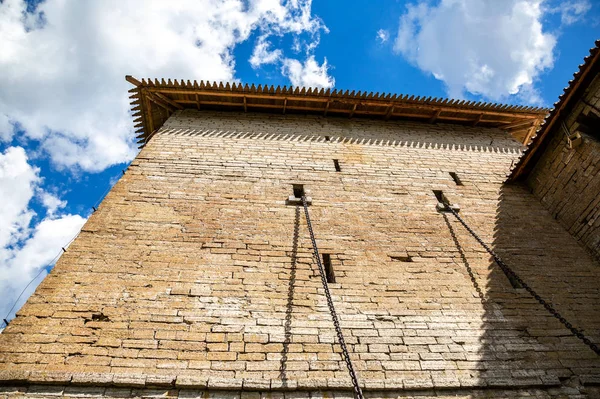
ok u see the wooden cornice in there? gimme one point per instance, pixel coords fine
(153, 101)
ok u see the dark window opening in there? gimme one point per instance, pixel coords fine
(589, 124)
(439, 195)
(401, 258)
(298, 190)
(456, 178)
(329, 275)
(327, 138)
(336, 163)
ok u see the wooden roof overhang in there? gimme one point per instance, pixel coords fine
(567, 100)
(153, 101)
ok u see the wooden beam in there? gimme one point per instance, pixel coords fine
(426, 116)
(245, 105)
(198, 102)
(531, 132)
(435, 116)
(284, 105)
(517, 124)
(389, 112)
(476, 121)
(353, 110)
(150, 122)
(133, 80)
(168, 100)
(374, 103)
(326, 108)
(157, 101)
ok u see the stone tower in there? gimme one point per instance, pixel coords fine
(196, 277)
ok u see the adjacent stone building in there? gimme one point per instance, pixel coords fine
(196, 276)
(562, 165)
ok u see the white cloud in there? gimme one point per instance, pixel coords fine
(25, 251)
(493, 48)
(309, 74)
(383, 35)
(262, 55)
(571, 11)
(51, 202)
(17, 184)
(63, 66)
(6, 127)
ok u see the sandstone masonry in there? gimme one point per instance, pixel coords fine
(567, 178)
(195, 279)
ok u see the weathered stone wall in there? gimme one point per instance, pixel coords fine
(567, 180)
(70, 391)
(194, 272)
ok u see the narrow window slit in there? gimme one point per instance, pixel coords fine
(297, 194)
(336, 163)
(298, 190)
(327, 138)
(444, 203)
(456, 178)
(439, 195)
(402, 258)
(329, 275)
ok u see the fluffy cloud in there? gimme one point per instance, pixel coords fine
(492, 48)
(263, 55)
(308, 74)
(51, 202)
(63, 64)
(25, 251)
(17, 185)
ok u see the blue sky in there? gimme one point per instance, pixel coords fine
(65, 130)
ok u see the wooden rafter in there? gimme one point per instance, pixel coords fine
(418, 114)
(353, 110)
(158, 101)
(435, 116)
(389, 112)
(530, 132)
(149, 116)
(520, 124)
(168, 100)
(349, 100)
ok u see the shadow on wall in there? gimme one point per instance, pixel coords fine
(410, 138)
(522, 344)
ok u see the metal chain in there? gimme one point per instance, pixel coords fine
(465, 261)
(506, 269)
(357, 391)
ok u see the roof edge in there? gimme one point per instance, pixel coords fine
(153, 101)
(531, 154)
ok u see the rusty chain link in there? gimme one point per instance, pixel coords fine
(346, 355)
(506, 269)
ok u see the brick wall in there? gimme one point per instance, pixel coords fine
(195, 274)
(567, 181)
